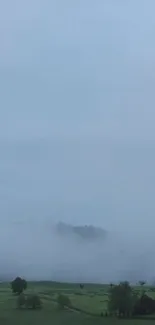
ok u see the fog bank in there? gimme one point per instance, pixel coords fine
(37, 252)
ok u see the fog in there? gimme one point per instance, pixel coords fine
(99, 182)
(77, 138)
(38, 252)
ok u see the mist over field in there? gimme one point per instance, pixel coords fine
(38, 252)
(43, 183)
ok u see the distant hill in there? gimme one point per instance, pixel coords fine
(89, 233)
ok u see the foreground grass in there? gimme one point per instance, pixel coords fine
(91, 300)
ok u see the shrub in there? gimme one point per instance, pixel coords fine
(63, 301)
(33, 301)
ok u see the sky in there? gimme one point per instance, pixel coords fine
(77, 134)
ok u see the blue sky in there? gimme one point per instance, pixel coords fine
(77, 99)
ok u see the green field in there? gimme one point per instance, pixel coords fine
(91, 301)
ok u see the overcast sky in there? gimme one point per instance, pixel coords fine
(77, 112)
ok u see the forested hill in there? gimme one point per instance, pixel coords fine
(90, 233)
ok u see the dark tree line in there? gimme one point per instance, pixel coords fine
(124, 301)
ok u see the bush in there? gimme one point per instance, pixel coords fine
(18, 285)
(63, 301)
(33, 301)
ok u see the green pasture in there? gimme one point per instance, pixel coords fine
(90, 302)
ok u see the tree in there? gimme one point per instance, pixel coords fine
(144, 305)
(142, 283)
(81, 286)
(121, 299)
(18, 285)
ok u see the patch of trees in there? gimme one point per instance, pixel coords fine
(125, 302)
(18, 285)
(85, 232)
(144, 305)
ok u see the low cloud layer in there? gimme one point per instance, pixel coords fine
(37, 252)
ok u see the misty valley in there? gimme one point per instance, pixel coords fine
(77, 162)
(63, 273)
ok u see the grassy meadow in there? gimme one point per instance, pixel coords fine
(88, 303)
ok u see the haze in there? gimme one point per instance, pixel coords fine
(77, 136)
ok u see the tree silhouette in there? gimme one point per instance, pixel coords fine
(18, 285)
(121, 299)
